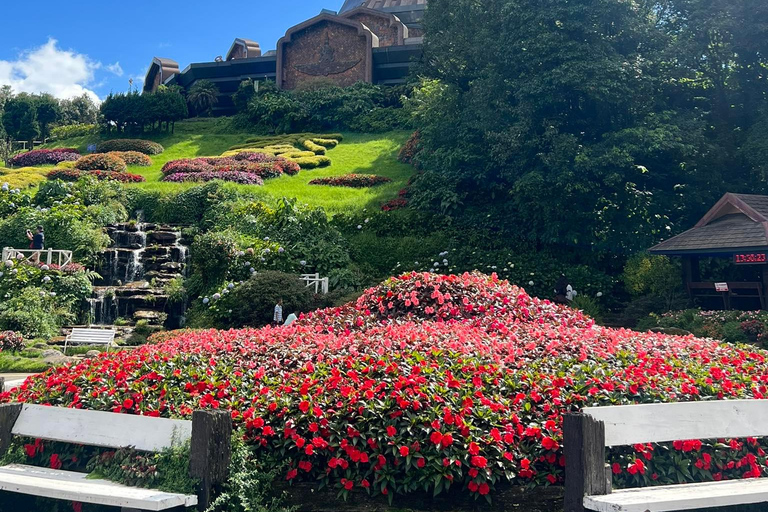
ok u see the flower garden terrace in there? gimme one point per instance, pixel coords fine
(398, 392)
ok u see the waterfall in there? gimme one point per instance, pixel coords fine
(103, 306)
(134, 269)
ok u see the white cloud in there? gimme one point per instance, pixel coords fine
(115, 69)
(48, 68)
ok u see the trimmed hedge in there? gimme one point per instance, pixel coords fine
(237, 169)
(313, 162)
(326, 143)
(101, 162)
(132, 158)
(142, 146)
(311, 146)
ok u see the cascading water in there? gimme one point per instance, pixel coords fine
(134, 271)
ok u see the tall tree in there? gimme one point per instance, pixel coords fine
(202, 96)
(20, 118)
(48, 112)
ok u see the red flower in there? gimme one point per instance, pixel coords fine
(420, 462)
(291, 474)
(549, 444)
(436, 438)
(484, 489)
(127, 403)
(479, 462)
(616, 468)
(404, 451)
(55, 462)
(391, 431)
(31, 450)
(474, 448)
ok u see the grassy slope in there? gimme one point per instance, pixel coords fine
(358, 153)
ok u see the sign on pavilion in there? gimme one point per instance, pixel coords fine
(734, 230)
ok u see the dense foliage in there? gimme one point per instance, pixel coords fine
(730, 326)
(134, 112)
(45, 157)
(241, 177)
(604, 124)
(322, 106)
(427, 382)
(140, 146)
(246, 168)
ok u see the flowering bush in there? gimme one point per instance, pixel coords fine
(352, 180)
(75, 174)
(240, 169)
(132, 158)
(101, 162)
(427, 382)
(11, 341)
(142, 146)
(395, 204)
(244, 178)
(45, 157)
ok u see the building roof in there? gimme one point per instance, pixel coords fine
(252, 48)
(382, 4)
(737, 222)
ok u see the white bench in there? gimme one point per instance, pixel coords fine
(588, 478)
(83, 336)
(209, 433)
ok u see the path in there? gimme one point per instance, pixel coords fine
(14, 379)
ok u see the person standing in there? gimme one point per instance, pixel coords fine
(278, 316)
(561, 290)
(37, 242)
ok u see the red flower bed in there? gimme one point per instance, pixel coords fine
(426, 382)
(395, 204)
(352, 180)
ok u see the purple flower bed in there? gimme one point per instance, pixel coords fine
(45, 157)
(263, 166)
(244, 178)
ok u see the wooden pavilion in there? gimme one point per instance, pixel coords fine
(736, 228)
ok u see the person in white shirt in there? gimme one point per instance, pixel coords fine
(278, 316)
(291, 318)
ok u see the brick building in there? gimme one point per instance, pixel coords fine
(376, 41)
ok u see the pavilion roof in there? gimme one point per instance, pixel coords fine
(737, 222)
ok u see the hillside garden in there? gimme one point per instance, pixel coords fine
(436, 371)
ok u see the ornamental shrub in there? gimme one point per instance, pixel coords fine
(243, 178)
(253, 302)
(313, 162)
(32, 313)
(132, 158)
(352, 180)
(75, 175)
(327, 143)
(101, 162)
(411, 148)
(142, 146)
(311, 146)
(11, 341)
(45, 157)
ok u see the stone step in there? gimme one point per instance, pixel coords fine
(163, 237)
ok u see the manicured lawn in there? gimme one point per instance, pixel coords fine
(358, 153)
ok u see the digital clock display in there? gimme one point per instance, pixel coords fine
(750, 258)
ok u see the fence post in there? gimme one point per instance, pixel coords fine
(584, 447)
(50, 256)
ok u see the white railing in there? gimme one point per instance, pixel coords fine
(47, 256)
(320, 284)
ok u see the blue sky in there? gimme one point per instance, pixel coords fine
(95, 46)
